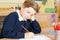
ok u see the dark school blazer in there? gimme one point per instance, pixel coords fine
(12, 27)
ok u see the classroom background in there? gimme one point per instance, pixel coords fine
(49, 13)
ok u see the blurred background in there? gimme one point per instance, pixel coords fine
(49, 13)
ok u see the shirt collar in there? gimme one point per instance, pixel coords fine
(19, 15)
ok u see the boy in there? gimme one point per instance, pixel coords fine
(15, 21)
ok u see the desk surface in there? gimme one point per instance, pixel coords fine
(47, 35)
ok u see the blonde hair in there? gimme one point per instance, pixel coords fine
(33, 4)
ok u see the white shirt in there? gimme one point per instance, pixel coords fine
(20, 17)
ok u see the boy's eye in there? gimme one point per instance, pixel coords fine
(31, 15)
(28, 12)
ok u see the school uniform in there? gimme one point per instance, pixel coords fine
(12, 27)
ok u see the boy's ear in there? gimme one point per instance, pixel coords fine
(22, 7)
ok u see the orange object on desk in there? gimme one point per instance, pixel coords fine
(57, 27)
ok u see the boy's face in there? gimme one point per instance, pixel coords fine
(28, 12)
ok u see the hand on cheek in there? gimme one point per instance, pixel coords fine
(32, 18)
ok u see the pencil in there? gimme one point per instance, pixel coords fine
(25, 29)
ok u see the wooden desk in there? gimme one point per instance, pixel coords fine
(48, 35)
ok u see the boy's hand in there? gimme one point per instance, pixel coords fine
(29, 34)
(32, 18)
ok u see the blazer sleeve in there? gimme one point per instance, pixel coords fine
(36, 27)
(8, 26)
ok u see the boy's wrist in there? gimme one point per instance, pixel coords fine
(33, 19)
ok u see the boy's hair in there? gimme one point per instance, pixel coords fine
(31, 3)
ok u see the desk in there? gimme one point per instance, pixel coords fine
(41, 37)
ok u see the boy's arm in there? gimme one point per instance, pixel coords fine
(8, 26)
(36, 26)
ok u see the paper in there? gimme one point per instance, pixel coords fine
(40, 37)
